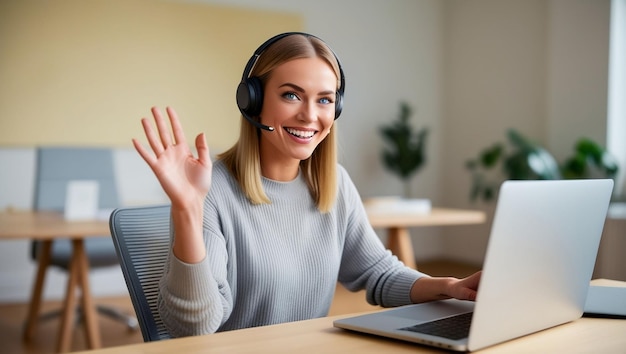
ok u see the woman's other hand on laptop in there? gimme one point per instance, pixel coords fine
(440, 288)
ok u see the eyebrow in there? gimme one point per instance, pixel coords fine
(300, 89)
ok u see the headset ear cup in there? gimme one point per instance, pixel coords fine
(250, 96)
(338, 104)
(243, 96)
(256, 103)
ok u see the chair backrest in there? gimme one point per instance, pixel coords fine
(55, 168)
(142, 239)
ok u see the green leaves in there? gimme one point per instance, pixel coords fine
(406, 148)
(523, 159)
(590, 160)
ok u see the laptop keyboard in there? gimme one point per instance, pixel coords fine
(455, 327)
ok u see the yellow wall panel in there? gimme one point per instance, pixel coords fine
(76, 72)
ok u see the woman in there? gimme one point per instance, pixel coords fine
(262, 235)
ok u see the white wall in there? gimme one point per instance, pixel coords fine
(537, 66)
(495, 80)
(470, 68)
(577, 75)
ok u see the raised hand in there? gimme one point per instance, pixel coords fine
(184, 178)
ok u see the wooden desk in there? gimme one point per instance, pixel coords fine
(398, 224)
(586, 335)
(47, 226)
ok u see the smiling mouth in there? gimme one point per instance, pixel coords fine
(302, 134)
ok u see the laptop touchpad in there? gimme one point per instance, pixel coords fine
(432, 310)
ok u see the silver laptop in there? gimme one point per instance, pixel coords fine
(540, 258)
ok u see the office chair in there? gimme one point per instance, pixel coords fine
(56, 166)
(142, 239)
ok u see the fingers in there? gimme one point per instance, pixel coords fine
(164, 132)
(143, 152)
(159, 142)
(470, 295)
(470, 285)
(161, 139)
(153, 139)
(472, 281)
(177, 129)
(476, 279)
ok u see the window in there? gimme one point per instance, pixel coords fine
(616, 123)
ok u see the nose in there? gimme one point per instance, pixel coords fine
(308, 111)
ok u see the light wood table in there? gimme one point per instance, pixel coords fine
(586, 335)
(46, 227)
(398, 224)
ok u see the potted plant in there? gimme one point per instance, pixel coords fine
(590, 160)
(523, 159)
(405, 154)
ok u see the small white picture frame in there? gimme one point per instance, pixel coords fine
(81, 200)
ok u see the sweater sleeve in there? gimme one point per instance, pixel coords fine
(366, 263)
(196, 299)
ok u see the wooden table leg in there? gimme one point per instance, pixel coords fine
(399, 242)
(69, 307)
(35, 300)
(78, 278)
(92, 331)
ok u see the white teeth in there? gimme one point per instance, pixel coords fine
(305, 134)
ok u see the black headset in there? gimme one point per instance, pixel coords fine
(250, 89)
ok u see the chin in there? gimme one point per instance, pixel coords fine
(303, 156)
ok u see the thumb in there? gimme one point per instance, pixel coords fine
(203, 150)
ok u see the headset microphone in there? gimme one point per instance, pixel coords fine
(257, 124)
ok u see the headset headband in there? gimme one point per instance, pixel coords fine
(257, 53)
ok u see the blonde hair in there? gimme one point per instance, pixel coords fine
(320, 169)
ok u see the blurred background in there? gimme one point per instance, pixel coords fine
(83, 73)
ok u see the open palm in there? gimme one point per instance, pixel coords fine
(184, 178)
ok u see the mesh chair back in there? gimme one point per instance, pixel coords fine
(142, 239)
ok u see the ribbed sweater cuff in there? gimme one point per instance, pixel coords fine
(189, 281)
(399, 293)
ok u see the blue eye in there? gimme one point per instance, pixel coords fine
(290, 96)
(325, 100)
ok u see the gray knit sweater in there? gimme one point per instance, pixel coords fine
(277, 262)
